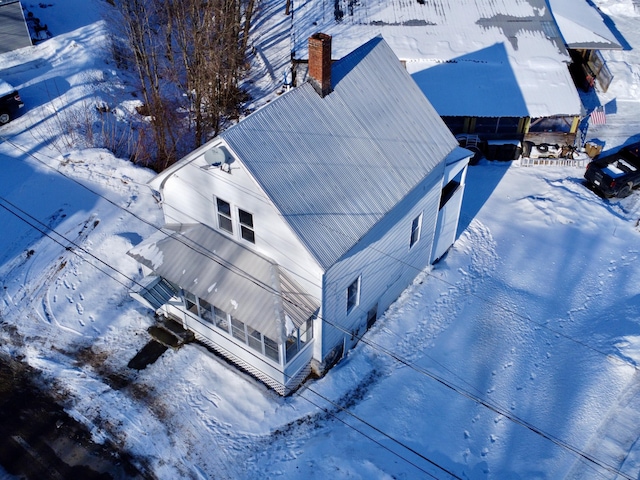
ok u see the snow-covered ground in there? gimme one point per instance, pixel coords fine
(514, 357)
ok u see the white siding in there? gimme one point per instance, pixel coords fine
(188, 197)
(385, 263)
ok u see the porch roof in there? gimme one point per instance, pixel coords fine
(221, 271)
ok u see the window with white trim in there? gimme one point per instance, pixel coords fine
(224, 215)
(353, 295)
(416, 226)
(246, 226)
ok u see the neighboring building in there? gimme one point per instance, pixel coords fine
(291, 232)
(496, 69)
(14, 33)
(585, 34)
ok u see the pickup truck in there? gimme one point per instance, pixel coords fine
(10, 102)
(617, 174)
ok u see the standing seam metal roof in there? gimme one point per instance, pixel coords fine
(14, 33)
(219, 270)
(334, 166)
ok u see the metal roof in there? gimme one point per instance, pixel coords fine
(334, 166)
(226, 274)
(582, 26)
(486, 58)
(13, 29)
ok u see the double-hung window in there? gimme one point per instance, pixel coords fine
(224, 215)
(353, 295)
(246, 226)
(416, 226)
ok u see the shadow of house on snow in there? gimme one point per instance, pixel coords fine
(481, 83)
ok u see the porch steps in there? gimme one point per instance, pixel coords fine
(170, 333)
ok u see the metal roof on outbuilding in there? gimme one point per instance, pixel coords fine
(483, 58)
(334, 166)
(14, 33)
(582, 26)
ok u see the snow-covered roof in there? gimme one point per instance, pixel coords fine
(334, 166)
(195, 257)
(582, 26)
(5, 87)
(470, 57)
(14, 33)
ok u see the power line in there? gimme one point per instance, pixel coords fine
(378, 430)
(372, 344)
(377, 347)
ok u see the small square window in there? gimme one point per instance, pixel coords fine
(246, 226)
(224, 215)
(416, 226)
(353, 295)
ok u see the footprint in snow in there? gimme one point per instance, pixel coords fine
(79, 308)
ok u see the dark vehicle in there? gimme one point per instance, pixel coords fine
(10, 102)
(617, 174)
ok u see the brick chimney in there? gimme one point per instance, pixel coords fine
(320, 63)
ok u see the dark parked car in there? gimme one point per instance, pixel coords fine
(10, 102)
(617, 174)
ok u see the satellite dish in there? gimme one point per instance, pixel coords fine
(215, 156)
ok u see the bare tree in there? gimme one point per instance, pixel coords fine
(189, 57)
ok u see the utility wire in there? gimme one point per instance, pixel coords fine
(497, 409)
(475, 398)
(381, 432)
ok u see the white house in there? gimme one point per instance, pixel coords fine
(291, 232)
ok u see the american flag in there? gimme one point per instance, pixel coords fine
(598, 116)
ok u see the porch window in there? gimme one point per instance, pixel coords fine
(246, 226)
(299, 338)
(353, 295)
(206, 311)
(221, 319)
(224, 215)
(190, 302)
(271, 349)
(416, 226)
(237, 329)
(255, 339)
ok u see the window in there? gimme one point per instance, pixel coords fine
(237, 329)
(449, 190)
(271, 349)
(190, 302)
(224, 215)
(206, 312)
(353, 295)
(415, 230)
(246, 226)
(255, 339)
(221, 319)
